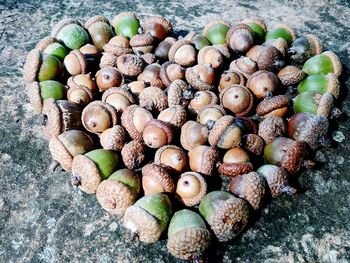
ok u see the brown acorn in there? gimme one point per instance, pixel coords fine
(172, 157)
(118, 97)
(270, 59)
(176, 116)
(109, 77)
(230, 77)
(244, 65)
(149, 58)
(240, 38)
(113, 138)
(274, 106)
(153, 99)
(76, 63)
(170, 71)
(130, 65)
(193, 134)
(291, 75)
(183, 53)
(250, 187)
(135, 87)
(117, 46)
(157, 133)
(191, 188)
(238, 99)
(247, 124)
(92, 55)
(100, 30)
(133, 154)
(271, 128)
(203, 159)
(278, 43)
(201, 99)
(98, 116)
(253, 143)
(201, 77)
(225, 134)
(209, 114)
(156, 179)
(162, 50)
(133, 119)
(158, 26)
(235, 162)
(210, 55)
(81, 89)
(151, 76)
(179, 93)
(262, 83)
(254, 52)
(143, 43)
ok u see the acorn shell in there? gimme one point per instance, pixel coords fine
(133, 154)
(263, 82)
(80, 95)
(113, 138)
(273, 106)
(215, 31)
(126, 24)
(270, 59)
(108, 60)
(327, 62)
(117, 46)
(161, 20)
(130, 65)
(177, 55)
(166, 127)
(205, 115)
(162, 50)
(283, 31)
(258, 27)
(304, 48)
(321, 84)
(158, 176)
(278, 43)
(50, 45)
(230, 77)
(151, 76)
(207, 160)
(271, 128)
(176, 116)
(202, 99)
(179, 93)
(291, 75)
(153, 99)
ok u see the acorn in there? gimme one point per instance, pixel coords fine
(276, 179)
(91, 168)
(151, 76)
(126, 24)
(50, 45)
(40, 67)
(197, 40)
(224, 50)
(60, 116)
(229, 78)
(262, 83)
(249, 187)
(203, 159)
(225, 134)
(76, 63)
(118, 45)
(236, 161)
(113, 138)
(321, 84)
(327, 62)
(193, 134)
(130, 65)
(71, 33)
(278, 43)
(153, 99)
(309, 101)
(191, 188)
(120, 98)
(170, 71)
(244, 65)
(226, 214)
(67, 145)
(149, 58)
(176, 116)
(156, 179)
(133, 119)
(119, 191)
(143, 43)
(100, 31)
(253, 143)
(92, 54)
(133, 154)
(148, 217)
(188, 236)
(273, 106)
(157, 133)
(209, 114)
(238, 99)
(216, 31)
(80, 95)
(179, 93)
(258, 27)
(254, 52)
(40, 91)
(291, 75)
(84, 80)
(162, 50)
(201, 99)
(157, 26)
(281, 31)
(240, 38)
(304, 47)
(183, 53)
(247, 124)
(109, 77)
(270, 59)
(98, 116)
(210, 56)
(135, 87)
(172, 157)
(201, 77)
(309, 128)
(272, 127)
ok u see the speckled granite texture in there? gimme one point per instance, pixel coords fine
(43, 219)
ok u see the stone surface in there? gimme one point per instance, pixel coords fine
(43, 219)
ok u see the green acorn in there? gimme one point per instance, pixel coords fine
(148, 217)
(281, 31)
(126, 24)
(321, 84)
(188, 236)
(304, 47)
(91, 168)
(226, 214)
(100, 31)
(216, 31)
(50, 45)
(197, 40)
(313, 102)
(258, 27)
(71, 33)
(40, 67)
(327, 62)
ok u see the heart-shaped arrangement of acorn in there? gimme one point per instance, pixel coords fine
(148, 122)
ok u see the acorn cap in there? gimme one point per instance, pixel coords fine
(96, 19)
(113, 138)
(337, 66)
(176, 116)
(32, 65)
(271, 128)
(194, 198)
(293, 159)
(61, 24)
(142, 40)
(247, 125)
(153, 99)
(215, 61)
(149, 58)
(60, 153)
(325, 104)
(315, 44)
(34, 94)
(85, 174)
(279, 43)
(259, 22)
(224, 50)
(291, 75)
(333, 84)
(76, 56)
(176, 94)
(133, 154)
(45, 42)
(254, 143)
(159, 175)
(130, 64)
(208, 159)
(250, 187)
(166, 127)
(163, 73)
(234, 169)
(267, 106)
(113, 47)
(161, 20)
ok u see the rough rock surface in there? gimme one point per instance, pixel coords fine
(43, 219)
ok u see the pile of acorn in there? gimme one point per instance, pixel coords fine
(147, 121)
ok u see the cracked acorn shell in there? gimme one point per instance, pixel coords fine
(193, 134)
(209, 114)
(258, 27)
(270, 59)
(262, 82)
(240, 38)
(226, 214)
(76, 63)
(225, 134)
(273, 106)
(60, 116)
(176, 116)
(216, 31)
(203, 159)
(238, 99)
(157, 133)
(191, 188)
(188, 236)
(315, 103)
(113, 138)
(148, 217)
(276, 179)
(67, 145)
(90, 169)
(281, 31)
(109, 77)
(210, 55)
(249, 187)
(119, 191)
(235, 162)
(170, 72)
(179, 93)
(133, 119)
(143, 43)
(321, 84)
(304, 47)
(201, 99)
(271, 128)
(244, 65)
(151, 76)
(327, 62)
(183, 53)
(172, 157)
(118, 97)
(50, 45)
(100, 31)
(229, 78)
(291, 75)
(157, 179)
(153, 99)
(201, 77)
(133, 154)
(162, 50)
(126, 24)
(130, 65)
